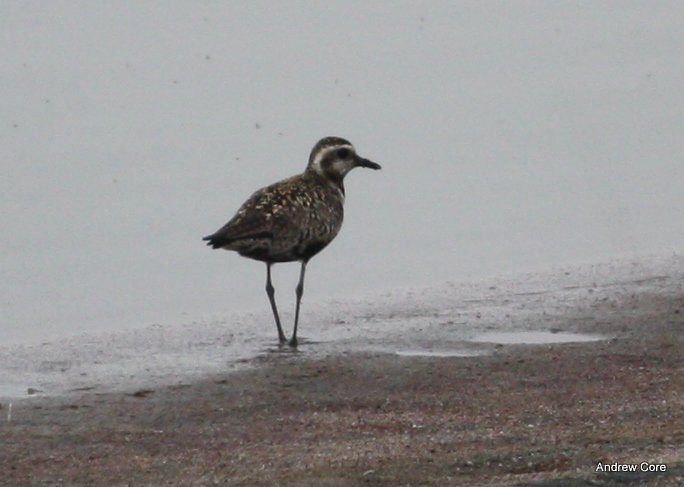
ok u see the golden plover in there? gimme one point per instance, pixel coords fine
(293, 219)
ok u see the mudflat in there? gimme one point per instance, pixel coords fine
(525, 415)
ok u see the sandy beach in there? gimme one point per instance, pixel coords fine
(522, 415)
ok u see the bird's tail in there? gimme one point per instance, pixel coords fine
(215, 240)
(225, 239)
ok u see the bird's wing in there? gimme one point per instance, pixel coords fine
(248, 222)
(265, 214)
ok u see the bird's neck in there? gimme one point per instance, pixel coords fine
(334, 180)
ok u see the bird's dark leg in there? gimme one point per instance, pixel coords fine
(271, 297)
(299, 291)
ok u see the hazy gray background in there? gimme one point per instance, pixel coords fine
(513, 136)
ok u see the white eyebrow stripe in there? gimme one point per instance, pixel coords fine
(321, 154)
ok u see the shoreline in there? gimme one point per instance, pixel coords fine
(524, 415)
(450, 318)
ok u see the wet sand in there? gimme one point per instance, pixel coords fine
(525, 415)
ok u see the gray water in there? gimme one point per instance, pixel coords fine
(512, 140)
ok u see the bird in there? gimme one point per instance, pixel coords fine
(294, 219)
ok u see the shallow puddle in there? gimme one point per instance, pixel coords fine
(13, 391)
(433, 353)
(534, 337)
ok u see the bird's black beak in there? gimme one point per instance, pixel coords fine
(361, 162)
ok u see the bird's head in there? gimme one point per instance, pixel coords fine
(334, 157)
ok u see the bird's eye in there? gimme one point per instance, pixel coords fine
(343, 153)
